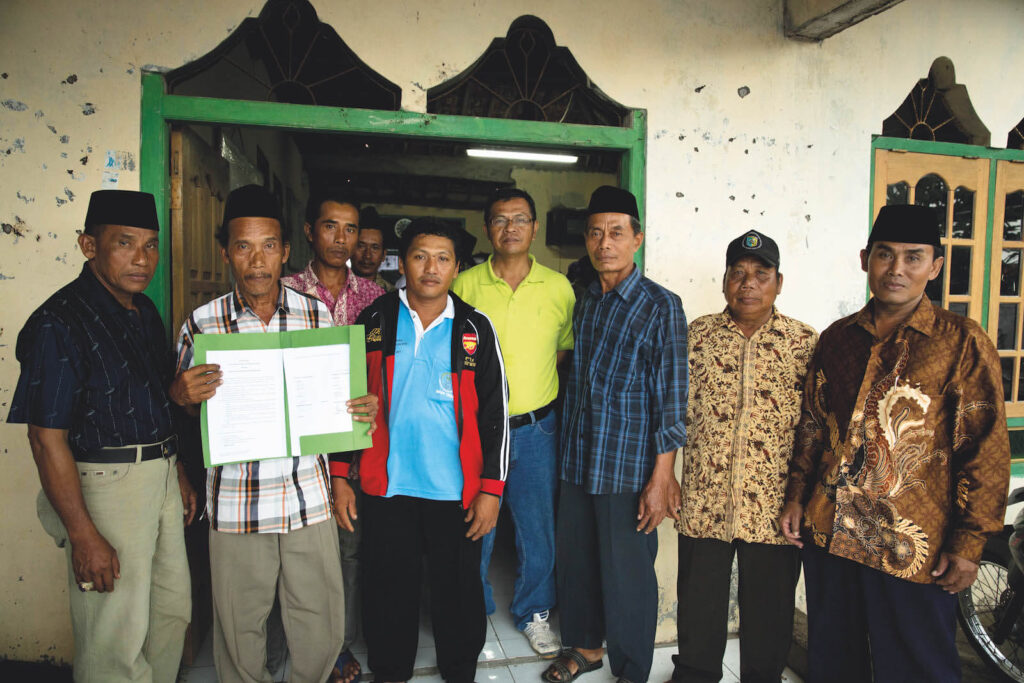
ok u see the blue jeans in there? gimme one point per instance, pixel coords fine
(530, 495)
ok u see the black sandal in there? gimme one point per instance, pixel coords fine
(558, 672)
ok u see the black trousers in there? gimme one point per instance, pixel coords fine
(860, 620)
(398, 533)
(767, 584)
(607, 588)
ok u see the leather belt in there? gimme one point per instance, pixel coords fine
(531, 417)
(134, 453)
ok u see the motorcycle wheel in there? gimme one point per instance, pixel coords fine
(982, 604)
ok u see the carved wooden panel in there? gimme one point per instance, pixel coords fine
(286, 54)
(938, 109)
(526, 76)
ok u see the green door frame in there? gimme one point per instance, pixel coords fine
(159, 110)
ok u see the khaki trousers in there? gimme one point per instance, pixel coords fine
(304, 569)
(136, 632)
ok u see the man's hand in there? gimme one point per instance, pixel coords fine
(364, 409)
(661, 496)
(483, 513)
(789, 522)
(195, 385)
(954, 573)
(344, 503)
(188, 495)
(95, 561)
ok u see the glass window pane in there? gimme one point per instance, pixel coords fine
(897, 193)
(960, 270)
(963, 213)
(958, 307)
(1006, 336)
(933, 290)
(1020, 387)
(1009, 277)
(1014, 215)
(932, 191)
(1007, 364)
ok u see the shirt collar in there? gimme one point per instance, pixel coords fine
(624, 289)
(240, 306)
(922, 319)
(725, 320)
(312, 281)
(100, 294)
(533, 275)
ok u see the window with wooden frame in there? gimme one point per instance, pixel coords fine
(934, 151)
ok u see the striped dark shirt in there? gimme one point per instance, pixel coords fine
(625, 401)
(94, 368)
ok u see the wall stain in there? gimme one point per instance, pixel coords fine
(19, 145)
(27, 200)
(4, 75)
(88, 109)
(743, 91)
(52, 129)
(69, 194)
(699, 88)
(84, 160)
(64, 139)
(70, 80)
(14, 105)
(8, 277)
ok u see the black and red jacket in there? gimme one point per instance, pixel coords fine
(480, 395)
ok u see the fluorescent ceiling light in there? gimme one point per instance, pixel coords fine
(522, 156)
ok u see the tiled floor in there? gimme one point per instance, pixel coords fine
(507, 656)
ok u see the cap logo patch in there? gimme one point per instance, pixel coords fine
(469, 342)
(751, 241)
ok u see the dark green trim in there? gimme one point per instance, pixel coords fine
(632, 174)
(989, 219)
(1017, 467)
(159, 109)
(402, 123)
(154, 177)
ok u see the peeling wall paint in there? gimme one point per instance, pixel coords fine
(793, 152)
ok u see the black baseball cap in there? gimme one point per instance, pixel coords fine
(753, 243)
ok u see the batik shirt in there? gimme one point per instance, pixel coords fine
(902, 451)
(266, 496)
(357, 294)
(744, 405)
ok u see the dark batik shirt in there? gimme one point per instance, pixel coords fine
(94, 368)
(625, 401)
(901, 452)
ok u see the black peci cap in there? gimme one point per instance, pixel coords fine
(122, 207)
(608, 199)
(906, 223)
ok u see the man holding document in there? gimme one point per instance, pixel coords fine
(434, 474)
(269, 507)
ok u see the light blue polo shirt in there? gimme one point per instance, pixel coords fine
(423, 455)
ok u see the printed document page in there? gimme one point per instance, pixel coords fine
(318, 380)
(246, 416)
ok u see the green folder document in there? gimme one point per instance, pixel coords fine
(283, 394)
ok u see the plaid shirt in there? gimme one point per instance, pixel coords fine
(625, 401)
(268, 496)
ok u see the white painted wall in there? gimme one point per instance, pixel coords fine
(794, 153)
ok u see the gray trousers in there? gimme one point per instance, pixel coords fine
(301, 567)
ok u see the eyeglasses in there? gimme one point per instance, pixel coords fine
(520, 220)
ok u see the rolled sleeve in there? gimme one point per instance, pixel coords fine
(49, 385)
(670, 380)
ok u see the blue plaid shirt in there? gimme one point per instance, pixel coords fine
(625, 401)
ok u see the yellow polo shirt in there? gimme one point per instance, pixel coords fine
(533, 324)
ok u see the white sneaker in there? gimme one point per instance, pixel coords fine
(542, 640)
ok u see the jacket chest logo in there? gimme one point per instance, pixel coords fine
(469, 342)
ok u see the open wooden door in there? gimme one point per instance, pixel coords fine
(199, 188)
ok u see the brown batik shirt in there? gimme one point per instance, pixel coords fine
(743, 408)
(902, 451)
